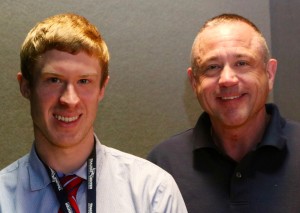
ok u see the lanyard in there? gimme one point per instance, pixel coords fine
(91, 186)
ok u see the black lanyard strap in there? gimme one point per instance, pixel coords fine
(91, 182)
(91, 186)
(60, 193)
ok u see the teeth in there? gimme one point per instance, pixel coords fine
(230, 98)
(66, 119)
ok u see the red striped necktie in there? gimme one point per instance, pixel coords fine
(71, 185)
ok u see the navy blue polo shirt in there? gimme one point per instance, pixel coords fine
(266, 180)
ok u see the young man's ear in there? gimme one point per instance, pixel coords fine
(102, 89)
(24, 85)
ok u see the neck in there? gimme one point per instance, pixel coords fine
(64, 159)
(237, 142)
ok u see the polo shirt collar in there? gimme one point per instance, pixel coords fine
(202, 133)
(273, 135)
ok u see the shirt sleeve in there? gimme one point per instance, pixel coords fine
(168, 198)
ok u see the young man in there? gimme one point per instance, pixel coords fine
(242, 156)
(64, 64)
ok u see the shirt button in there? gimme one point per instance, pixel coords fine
(238, 175)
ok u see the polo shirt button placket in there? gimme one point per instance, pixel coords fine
(238, 175)
(239, 191)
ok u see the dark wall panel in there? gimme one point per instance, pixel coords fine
(285, 31)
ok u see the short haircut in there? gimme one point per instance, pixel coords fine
(64, 32)
(229, 18)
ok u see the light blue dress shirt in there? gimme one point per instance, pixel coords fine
(125, 184)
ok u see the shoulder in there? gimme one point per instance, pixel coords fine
(129, 162)
(13, 168)
(111, 161)
(291, 124)
(10, 175)
(10, 178)
(179, 143)
(288, 129)
(140, 172)
(291, 130)
(144, 186)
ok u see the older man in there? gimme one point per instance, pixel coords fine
(242, 156)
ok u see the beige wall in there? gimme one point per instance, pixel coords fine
(148, 98)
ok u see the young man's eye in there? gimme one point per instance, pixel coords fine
(84, 81)
(54, 80)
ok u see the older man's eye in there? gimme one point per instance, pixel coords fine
(241, 63)
(213, 67)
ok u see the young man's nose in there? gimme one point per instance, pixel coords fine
(69, 96)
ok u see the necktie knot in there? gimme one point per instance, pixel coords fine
(71, 185)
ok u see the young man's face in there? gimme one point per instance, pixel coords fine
(233, 82)
(64, 97)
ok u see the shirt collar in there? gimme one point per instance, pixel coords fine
(38, 175)
(81, 172)
(273, 135)
(202, 133)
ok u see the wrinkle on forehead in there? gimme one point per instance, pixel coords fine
(239, 36)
